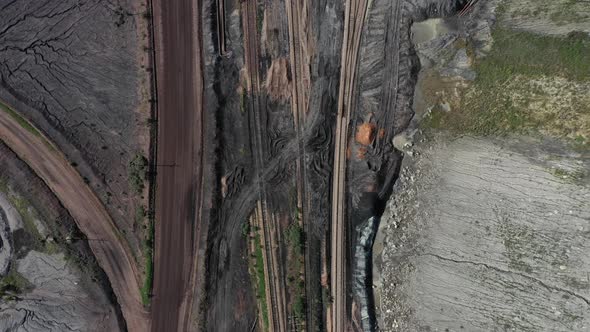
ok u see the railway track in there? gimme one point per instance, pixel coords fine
(355, 12)
(271, 238)
(220, 16)
(392, 76)
(299, 107)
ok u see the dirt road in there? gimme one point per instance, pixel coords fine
(179, 174)
(113, 256)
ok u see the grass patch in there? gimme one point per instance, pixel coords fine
(24, 123)
(139, 214)
(137, 173)
(146, 289)
(518, 52)
(527, 83)
(260, 281)
(148, 282)
(21, 121)
(572, 176)
(295, 237)
(560, 12)
(12, 285)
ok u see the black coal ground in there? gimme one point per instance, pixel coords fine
(387, 63)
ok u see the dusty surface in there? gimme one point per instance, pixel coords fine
(180, 139)
(78, 71)
(488, 234)
(57, 301)
(35, 227)
(482, 235)
(548, 17)
(88, 212)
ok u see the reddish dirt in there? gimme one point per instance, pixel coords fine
(179, 176)
(277, 82)
(113, 255)
(365, 134)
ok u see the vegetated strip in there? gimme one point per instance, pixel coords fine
(488, 107)
(146, 289)
(299, 105)
(25, 124)
(277, 314)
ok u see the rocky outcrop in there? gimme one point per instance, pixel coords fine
(50, 280)
(486, 235)
(58, 301)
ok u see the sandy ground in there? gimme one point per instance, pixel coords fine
(487, 235)
(178, 197)
(90, 215)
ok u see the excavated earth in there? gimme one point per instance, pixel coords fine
(78, 71)
(258, 142)
(484, 233)
(59, 286)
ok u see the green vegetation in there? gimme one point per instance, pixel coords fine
(139, 214)
(148, 250)
(527, 83)
(246, 228)
(21, 121)
(570, 176)
(517, 52)
(137, 173)
(260, 281)
(295, 237)
(146, 289)
(259, 17)
(12, 285)
(29, 216)
(560, 12)
(299, 307)
(25, 124)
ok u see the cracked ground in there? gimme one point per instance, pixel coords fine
(76, 70)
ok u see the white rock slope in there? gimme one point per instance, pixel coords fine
(486, 235)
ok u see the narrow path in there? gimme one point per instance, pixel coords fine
(113, 255)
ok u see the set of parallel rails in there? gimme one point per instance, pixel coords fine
(355, 12)
(299, 106)
(275, 282)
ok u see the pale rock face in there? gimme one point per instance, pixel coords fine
(484, 235)
(57, 302)
(57, 299)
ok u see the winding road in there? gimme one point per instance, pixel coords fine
(113, 256)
